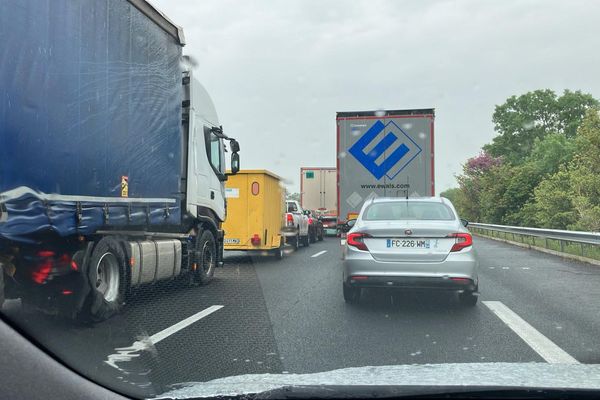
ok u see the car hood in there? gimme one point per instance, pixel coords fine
(428, 376)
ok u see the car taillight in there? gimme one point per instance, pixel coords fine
(47, 263)
(463, 240)
(255, 240)
(310, 221)
(355, 239)
(41, 273)
(290, 219)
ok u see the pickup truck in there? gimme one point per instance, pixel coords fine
(295, 226)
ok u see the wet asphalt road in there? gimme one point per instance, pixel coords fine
(289, 316)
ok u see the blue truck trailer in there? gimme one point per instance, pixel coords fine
(112, 159)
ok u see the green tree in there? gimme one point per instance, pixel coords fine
(571, 197)
(456, 198)
(585, 173)
(522, 120)
(553, 206)
(471, 184)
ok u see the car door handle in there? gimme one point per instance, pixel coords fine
(212, 195)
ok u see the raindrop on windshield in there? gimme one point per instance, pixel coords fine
(422, 135)
(355, 131)
(342, 154)
(407, 125)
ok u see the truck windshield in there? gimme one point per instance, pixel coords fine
(408, 210)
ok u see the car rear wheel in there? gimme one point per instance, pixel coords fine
(306, 240)
(351, 294)
(313, 237)
(295, 241)
(320, 237)
(468, 299)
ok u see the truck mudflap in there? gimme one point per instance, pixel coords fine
(220, 248)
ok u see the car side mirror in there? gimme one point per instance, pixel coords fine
(464, 222)
(345, 227)
(306, 212)
(235, 163)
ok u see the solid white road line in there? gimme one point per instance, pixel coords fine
(165, 333)
(133, 351)
(546, 348)
(319, 253)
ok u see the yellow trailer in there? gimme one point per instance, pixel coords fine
(255, 212)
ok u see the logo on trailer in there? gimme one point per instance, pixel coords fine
(388, 156)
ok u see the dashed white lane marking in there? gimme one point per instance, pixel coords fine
(133, 351)
(546, 348)
(319, 253)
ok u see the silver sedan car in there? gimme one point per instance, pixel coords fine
(417, 243)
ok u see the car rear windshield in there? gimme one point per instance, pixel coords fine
(410, 210)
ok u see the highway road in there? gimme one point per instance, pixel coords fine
(261, 315)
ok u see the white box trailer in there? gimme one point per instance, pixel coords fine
(383, 153)
(318, 189)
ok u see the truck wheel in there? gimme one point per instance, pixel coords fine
(207, 259)
(320, 237)
(107, 279)
(313, 237)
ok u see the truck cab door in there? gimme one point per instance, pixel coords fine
(215, 151)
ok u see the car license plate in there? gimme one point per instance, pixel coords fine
(409, 243)
(231, 241)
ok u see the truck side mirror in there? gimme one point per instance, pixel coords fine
(235, 163)
(235, 146)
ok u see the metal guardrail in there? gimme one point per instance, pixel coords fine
(570, 236)
(591, 239)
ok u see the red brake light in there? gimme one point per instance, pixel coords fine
(40, 275)
(310, 221)
(461, 280)
(46, 253)
(255, 240)
(289, 218)
(463, 240)
(355, 239)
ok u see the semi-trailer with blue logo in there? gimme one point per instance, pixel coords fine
(383, 153)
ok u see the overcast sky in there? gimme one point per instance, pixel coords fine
(278, 71)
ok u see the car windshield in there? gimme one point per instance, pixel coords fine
(408, 210)
(300, 198)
